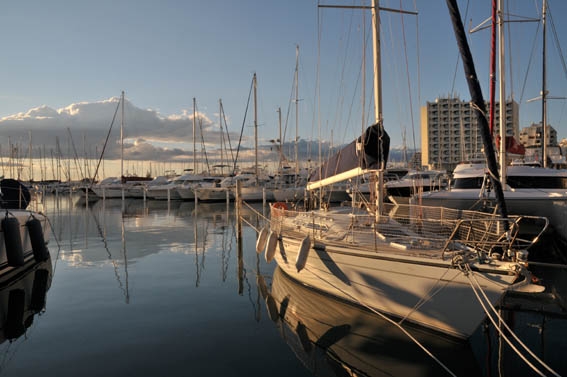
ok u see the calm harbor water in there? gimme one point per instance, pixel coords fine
(158, 289)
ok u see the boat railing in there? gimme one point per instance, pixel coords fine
(410, 227)
(483, 231)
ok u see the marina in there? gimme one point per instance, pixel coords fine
(185, 243)
(156, 287)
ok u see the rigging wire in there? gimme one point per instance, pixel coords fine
(556, 40)
(104, 146)
(529, 63)
(242, 128)
(560, 52)
(458, 59)
(227, 134)
(408, 75)
(288, 113)
(203, 142)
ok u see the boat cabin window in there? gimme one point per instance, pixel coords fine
(468, 183)
(537, 182)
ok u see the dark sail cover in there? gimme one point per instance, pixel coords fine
(374, 147)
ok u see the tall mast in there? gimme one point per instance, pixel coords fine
(255, 130)
(296, 109)
(194, 131)
(31, 161)
(544, 92)
(377, 59)
(502, 93)
(221, 137)
(493, 23)
(280, 137)
(122, 141)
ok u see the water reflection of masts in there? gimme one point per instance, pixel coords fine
(199, 264)
(127, 292)
(240, 262)
(102, 234)
(241, 271)
(259, 295)
(227, 242)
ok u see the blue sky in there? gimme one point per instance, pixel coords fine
(164, 53)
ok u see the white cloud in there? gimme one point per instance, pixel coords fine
(81, 129)
(86, 125)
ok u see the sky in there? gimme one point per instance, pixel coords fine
(64, 64)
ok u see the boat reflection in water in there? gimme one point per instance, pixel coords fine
(335, 338)
(22, 296)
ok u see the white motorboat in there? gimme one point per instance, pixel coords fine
(530, 190)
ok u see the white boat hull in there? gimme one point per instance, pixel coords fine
(288, 194)
(214, 194)
(108, 192)
(163, 194)
(186, 193)
(256, 194)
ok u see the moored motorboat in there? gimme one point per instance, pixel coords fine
(530, 190)
(24, 232)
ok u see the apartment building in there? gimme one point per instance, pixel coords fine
(450, 132)
(531, 136)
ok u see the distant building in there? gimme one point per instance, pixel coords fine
(531, 136)
(415, 161)
(531, 139)
(450, 131)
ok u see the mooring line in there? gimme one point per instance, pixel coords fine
(470, 276)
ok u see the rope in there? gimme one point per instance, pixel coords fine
(260, 215)
(250, 224)
(472, 280)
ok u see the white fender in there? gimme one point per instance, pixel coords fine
(271, 246)
(261, 241)
(303, 253)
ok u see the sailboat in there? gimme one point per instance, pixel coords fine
(290, 185)
(256, 187)
(434, 267)
(120, 187)
(255, 182)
